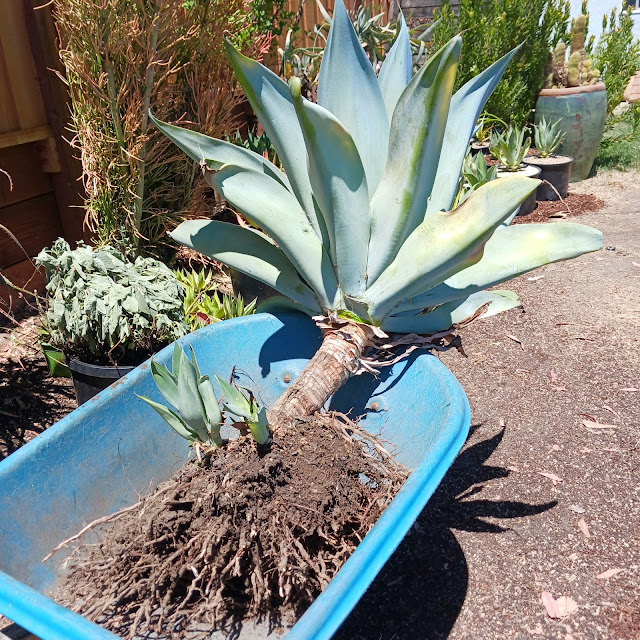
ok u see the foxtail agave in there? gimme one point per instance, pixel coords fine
(359, 225)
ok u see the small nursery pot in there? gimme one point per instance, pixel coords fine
(529, 171)
(555, 170)
(91, 379)
(479, 147)
(582, 112)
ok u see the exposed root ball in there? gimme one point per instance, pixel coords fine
(250, 535)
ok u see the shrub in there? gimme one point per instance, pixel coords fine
(104, 308)
(121, 56)
(494, 28)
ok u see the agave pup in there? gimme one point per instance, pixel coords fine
(359, 227)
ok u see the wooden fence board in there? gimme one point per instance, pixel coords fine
(25, 276)
(22, 163)
(20, 68)
(8, 114)
(34, 222)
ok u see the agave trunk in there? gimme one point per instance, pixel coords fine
(332, 365)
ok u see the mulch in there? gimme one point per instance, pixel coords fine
(573, 206)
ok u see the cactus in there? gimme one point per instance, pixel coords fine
(579, 69)
(573, 70)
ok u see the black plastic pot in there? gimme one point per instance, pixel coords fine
(90, 379)
(530, 172)
(250, 288)
(555, 170)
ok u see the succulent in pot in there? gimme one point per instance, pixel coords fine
(555, 170)
(106, 313)
(510, 148)
(354, 229)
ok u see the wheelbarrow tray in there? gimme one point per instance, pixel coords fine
(105, 454)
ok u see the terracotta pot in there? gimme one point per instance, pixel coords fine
(582, 112)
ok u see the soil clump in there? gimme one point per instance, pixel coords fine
(251, 533)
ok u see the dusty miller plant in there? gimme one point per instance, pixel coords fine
(104, 307)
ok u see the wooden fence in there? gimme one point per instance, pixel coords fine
(39, 189)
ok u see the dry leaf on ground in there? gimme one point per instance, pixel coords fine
(515, 340)
(582, 525)
(550, 605)
(609, 573)
(590, 424)
(552, 476)
(566, 605)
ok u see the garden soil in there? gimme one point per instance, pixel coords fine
(541, 502)
(254, 533)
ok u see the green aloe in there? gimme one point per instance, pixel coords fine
(361, 223)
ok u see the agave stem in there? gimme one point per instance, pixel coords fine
(333, 364)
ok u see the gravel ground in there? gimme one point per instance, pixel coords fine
(498, 533)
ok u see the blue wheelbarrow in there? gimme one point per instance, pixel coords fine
(104, 455)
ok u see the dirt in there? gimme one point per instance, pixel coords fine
(30, 399)
(574, 205)
(255, 533)
(497, 533)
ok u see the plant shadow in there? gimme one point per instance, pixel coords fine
(421, 589)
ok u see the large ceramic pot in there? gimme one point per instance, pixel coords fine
(101, 457)
(582, 112)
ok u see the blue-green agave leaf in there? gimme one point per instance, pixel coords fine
(200, 147)
(397, 68)
(190, 404)
(466, 105)
(247, 251)
(269, 97)
(349, 89)
(417, 130)
(234, 400)
(444, 243)
(172, 419)
(175, 361)
(272, 208)
(452, 313)
(166, 382)
(510, 252)
(340, 186)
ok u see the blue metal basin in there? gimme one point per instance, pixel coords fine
(108, 452)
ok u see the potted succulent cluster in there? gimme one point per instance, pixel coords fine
(108, 314)
(575, 96)
(510, 148)
(555, 170)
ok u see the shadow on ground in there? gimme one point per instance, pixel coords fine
(422, 588)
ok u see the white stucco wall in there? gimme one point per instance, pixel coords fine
(597, 9)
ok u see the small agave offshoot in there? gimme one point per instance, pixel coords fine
(196, 414)
(360, 226)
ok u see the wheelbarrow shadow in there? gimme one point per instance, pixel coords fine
(422, 588)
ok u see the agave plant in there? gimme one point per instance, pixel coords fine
(475, 173)
(197, 416)
(510, 147)
(359, 227)
(547, 137)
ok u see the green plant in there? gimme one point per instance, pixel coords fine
(475, 174)
(578, 69)
(259, 144)
(201, 303)
(495, 27)
(119, 57)
(104, 307)
(486, 125)
(617, 55)
(197, 416)
(355, 227)
(510, 147)
(547, 137)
